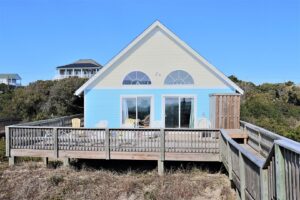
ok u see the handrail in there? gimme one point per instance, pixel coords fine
(290, 145)
(276, 173)
(262, 130)
(50, 121)
(258, 162)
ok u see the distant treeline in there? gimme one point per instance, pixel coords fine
(41, 99)
(275, 107)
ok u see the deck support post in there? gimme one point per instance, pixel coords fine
(160, 162)
(242, 176)
(107, 150)
(280, 173)
(66, 162)
(11, 161)
(45, 161)
(160, 167)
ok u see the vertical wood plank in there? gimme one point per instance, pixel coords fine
(229, 160)
(280, 173)
(242, 176)
(264, 190)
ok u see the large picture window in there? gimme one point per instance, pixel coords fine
(179, 112)
(136, 112)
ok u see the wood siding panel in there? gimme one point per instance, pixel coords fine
(225, 111)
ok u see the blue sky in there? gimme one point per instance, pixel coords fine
(256, 40)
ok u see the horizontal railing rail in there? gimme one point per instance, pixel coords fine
(259, 138)
(65, 121)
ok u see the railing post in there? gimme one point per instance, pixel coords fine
(107, 149)
(55, 134)
(264, 189)
(162, 144)
(242, 176)
(280, 173)
(160, 162)
(229, 160)
(7, 141)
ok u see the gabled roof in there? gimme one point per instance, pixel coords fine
(159, 25)
(82, 63)
(10, 76)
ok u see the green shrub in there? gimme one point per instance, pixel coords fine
(56, 179)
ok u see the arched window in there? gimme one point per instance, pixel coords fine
(179, 77)
(136, 78)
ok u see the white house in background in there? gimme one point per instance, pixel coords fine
(83, 68)
(10, 79)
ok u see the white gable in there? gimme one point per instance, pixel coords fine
(157, 52)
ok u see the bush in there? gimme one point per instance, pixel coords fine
(2, 150)
(56, 179)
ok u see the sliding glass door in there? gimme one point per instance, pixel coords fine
(179, 112)
(136, 112)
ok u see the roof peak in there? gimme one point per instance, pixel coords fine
(157, 24)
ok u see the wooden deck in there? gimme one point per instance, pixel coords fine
(261, 164)
(133, 144)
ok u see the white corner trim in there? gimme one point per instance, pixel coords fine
(157, 24)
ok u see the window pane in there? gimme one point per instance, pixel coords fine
(143, 107)
(186, 113)
(136, 78)
(129, 111)
(179, 77)
(171, 112)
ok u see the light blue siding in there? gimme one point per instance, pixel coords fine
(104, 104)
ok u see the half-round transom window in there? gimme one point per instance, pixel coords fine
(136, 78)
(179, 77)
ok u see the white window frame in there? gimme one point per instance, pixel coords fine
(188, 74)
(139, 85)
(179, 110)
(136, 96)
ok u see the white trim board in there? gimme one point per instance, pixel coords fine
(159, 25)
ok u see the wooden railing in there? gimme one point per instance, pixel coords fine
(267, 168)
(259, 138)
(273, 175)
(65, 121)
(107, 141)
